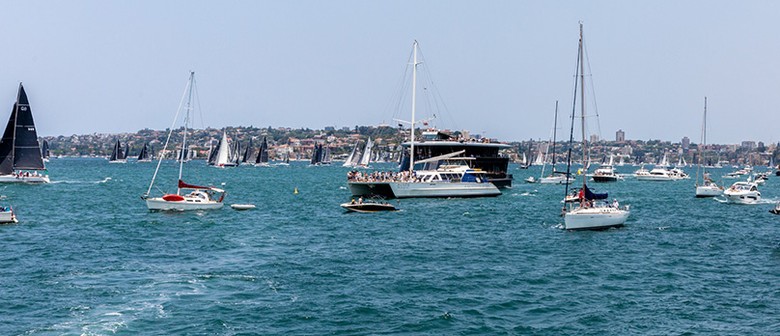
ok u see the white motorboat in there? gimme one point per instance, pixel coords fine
(21, 159)
(7, 215)
(606, 173)
(590, 213)
(368, 206)
(656, 174)
(556, 178)
(743, 192)
(198, 197)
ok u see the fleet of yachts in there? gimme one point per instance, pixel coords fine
(435, 165)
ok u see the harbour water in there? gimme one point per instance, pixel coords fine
(87, 258)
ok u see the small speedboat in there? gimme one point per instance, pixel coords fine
(776, 209)
(742, 193)
(7, 215)
(366, 206)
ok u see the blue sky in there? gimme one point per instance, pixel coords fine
(121, 66)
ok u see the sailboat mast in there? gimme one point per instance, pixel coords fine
(555, 130)
(585, 154)
(704, 143)
(414, 103)
(186, 120)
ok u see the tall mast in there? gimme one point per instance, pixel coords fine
(414, 103)
(585, 154)
(555, 130)
(186, 120)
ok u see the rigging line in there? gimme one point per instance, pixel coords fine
(571, 131)
(437, 96)
(168, 138)
(197, 102)
(592, 89)
(394, 103)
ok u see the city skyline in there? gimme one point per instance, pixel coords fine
(111, 67)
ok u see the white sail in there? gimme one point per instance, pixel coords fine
(348, 161)
(365, 159)
(223, 152)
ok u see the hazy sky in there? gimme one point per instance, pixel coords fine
(120, 66)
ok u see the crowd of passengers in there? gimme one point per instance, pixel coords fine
(384, 176)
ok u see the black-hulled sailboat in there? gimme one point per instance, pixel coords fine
(144, 155)
(21, 158)
(119, 154)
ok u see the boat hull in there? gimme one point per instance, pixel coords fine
(706, 191)
(368, 207)
(423, 189)
(595, 218)
(159, 204)
(605, 178)
(654, 178)
(24, 179)
(7, 217)
(742, 198)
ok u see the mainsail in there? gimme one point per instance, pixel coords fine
(144, 154)
(116, 154)
(223, 151)
(262, 155)
(247, 151)
(19, 148)
(365, 159)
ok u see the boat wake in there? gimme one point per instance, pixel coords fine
(105, 180)
(759, 202)
(527, 193)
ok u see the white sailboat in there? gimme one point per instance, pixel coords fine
(365, 158)
(591, 212)
(360, 158)
(20, 154)
(196, 197)
(223, 158)
(708, 187)
(442, 176)
(555, 177)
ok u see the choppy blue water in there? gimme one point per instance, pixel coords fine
(87, 258)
